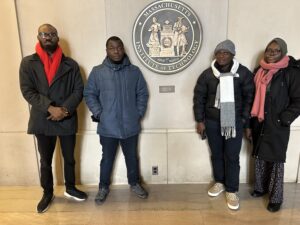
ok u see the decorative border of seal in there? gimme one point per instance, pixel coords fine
(160, 43)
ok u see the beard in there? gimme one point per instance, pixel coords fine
(49, 48)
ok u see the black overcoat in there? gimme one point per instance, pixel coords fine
(66, 90)
(282, 107)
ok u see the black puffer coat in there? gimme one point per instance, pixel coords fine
(282, 107)
(205, 94)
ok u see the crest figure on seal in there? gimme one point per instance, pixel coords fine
(167, 36)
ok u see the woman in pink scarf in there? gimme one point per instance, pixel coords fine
(276, 105)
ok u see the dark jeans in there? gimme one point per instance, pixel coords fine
(109, 150)
(225, 155)
(46, 147)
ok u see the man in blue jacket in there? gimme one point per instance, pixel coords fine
(116, 93)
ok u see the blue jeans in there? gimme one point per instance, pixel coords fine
(225, 155)
(109, 150)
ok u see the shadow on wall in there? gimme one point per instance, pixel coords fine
(82, 113)
(250, 159)
(257, 58)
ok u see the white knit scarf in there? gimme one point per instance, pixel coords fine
(225, 99)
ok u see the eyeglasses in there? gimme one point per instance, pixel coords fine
(273, 51)
(47, 35)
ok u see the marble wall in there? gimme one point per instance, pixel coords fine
(168, 139)
(18, 161)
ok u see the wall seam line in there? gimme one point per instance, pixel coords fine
(22, 55)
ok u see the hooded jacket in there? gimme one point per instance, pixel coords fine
(117, 96)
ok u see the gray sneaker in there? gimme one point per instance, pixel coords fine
(139, 191)
(216, 189)
(233, 201)
(101, 196)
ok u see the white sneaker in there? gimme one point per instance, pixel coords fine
(216, 189)
(232, 201)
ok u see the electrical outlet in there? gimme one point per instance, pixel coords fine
(154, 170)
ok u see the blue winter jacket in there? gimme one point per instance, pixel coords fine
(117, 96)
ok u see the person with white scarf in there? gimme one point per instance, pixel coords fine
(223, 98)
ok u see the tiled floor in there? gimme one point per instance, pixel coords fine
(167, 205)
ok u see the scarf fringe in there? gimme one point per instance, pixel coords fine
(228, 132)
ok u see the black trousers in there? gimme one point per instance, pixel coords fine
(46, 147)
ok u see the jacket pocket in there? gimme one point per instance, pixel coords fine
(276, 121)
(108, 100)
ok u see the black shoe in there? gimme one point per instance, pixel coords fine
(257, 194)
(45, 203)
(274, 207)
(75, 194)
(139, 191)
(101, 196)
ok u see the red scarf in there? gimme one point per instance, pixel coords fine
(51, 64)
(262, 78)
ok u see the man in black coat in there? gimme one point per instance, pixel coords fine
(51, 83)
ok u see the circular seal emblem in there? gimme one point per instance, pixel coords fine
(167, 36)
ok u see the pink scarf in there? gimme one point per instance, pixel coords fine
(50, 64)
(262, 78)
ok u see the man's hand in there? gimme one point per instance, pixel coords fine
(201, 129)
(248, 134)
(57, 113)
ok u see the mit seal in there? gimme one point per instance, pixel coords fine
(167, 36)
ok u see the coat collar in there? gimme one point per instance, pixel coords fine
(63, 68)
(125, 62)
